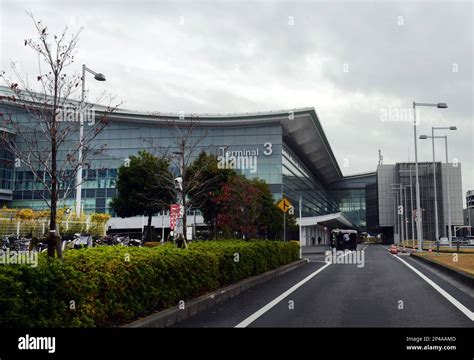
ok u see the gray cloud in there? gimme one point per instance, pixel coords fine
(242, 56)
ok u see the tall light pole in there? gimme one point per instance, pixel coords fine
(434, 174)
(300, 207)
(411, 202)
(417, 183)
(400, 202)
(469, 212)
(98, 77)
(448, 190)
(405, 219)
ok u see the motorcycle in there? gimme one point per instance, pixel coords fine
(82, 241)
(42, 247)
(6, 243)
(133, 242)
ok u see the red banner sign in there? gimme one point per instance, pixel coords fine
(174, 214)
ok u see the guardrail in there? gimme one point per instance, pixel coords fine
(430, 245)
(39, 227)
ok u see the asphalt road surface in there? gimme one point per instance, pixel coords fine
(387, 291)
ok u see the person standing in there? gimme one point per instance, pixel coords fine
(319, 240)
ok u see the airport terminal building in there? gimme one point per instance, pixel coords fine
(290, 149)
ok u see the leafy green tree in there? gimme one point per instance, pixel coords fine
(270, 217)
(143, 187)
(207, 181)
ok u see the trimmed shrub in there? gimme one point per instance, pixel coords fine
(109, 286)
(152, 244)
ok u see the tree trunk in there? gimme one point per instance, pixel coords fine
(52, 241)
(148, 234)
(184, 222)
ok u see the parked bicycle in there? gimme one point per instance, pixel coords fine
(15, 243)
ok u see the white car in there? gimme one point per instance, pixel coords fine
(444, 241)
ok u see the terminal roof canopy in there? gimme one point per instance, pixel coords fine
(302, 131)
(334, 221)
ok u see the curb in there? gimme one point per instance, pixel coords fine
(458, 275)
(173, 315)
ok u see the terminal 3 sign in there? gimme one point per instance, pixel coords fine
(244, 159)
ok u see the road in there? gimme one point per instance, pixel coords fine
(385, 292)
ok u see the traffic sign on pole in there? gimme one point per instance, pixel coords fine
(285, 205)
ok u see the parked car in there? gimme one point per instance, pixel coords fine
(444, 241)
(469, 240)
(460, 240)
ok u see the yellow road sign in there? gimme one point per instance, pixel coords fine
(285, 205)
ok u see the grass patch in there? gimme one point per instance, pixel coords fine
(427, 244)
(464, 263)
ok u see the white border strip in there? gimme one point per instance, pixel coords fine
(450, 298)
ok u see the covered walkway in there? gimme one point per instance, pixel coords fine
(313, 227)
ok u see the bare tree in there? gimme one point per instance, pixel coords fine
(189, 186)
(45, 135)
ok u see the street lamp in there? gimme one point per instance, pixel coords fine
(98, 77)
(434, 174)
(400, 187)
(448, 195)
(417, 183)
(411, 202)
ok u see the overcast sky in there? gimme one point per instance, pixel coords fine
(353, 62)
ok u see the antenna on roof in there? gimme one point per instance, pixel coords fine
(380, 157)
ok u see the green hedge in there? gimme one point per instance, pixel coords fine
(114, 285)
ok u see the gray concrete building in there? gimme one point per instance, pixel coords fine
(468, 213)
(396, 208)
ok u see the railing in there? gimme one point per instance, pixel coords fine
(39, 227)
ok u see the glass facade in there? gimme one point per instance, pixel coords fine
(371, 204)
(6, 169)
(277, 163)
(297, 179)
(350, 193)
(125, 139)
(6, 172)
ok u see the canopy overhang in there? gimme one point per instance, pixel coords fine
(333, 221)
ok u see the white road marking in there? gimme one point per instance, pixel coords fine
(272, 303)
(450, 298)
